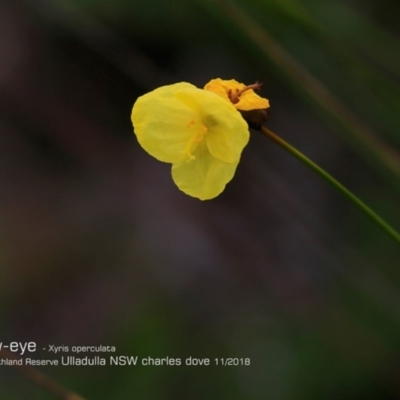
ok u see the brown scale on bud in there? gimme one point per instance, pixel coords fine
(255, 118)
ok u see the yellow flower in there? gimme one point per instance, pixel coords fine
(195, 130)
(240, 95)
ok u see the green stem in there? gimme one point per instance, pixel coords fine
(337, 185)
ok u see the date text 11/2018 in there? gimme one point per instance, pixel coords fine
(225, 362)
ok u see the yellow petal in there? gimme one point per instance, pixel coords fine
(205, 177)
(227, 133)
(197, 131)
(248, 100)
(226, 141)
(221, 87)
(163, 124)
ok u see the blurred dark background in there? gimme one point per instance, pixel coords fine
(98, 246)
